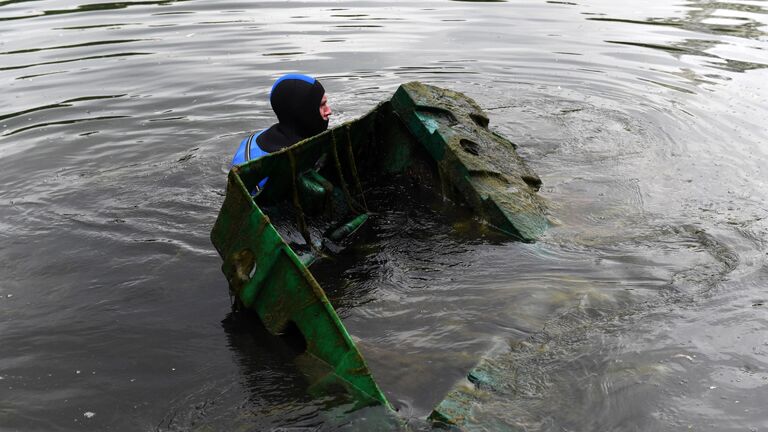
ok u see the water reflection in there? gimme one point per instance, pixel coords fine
(64, 104)
(25, 66)
(84, 8)
(113, 26)
(650, 146)
(87, 44)
(708, 18)
(63, 122)
(699, 16)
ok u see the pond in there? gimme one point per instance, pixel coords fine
(644, 307)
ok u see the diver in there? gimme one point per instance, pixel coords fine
(301, 107)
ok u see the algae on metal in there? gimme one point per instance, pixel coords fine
(433, 135)
(481, 164)
(484, 382)
(265, 275)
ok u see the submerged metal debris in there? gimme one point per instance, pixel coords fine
(436, 136)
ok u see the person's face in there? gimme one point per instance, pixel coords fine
(325, 110)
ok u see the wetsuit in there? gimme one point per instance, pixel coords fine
(296, 101)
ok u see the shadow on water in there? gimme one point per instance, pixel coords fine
(273, 389)
(265, 362)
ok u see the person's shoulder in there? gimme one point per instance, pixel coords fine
(240, 153)
(248, 149)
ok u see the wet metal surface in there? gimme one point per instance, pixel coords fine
(644, 308)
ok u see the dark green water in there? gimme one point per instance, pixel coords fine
(645, 308)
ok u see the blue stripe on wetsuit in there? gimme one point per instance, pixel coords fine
(249, 150)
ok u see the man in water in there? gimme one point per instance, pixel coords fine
(302, 111)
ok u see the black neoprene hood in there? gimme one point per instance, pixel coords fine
(296, 101)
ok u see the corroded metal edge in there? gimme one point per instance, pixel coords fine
(482, 165)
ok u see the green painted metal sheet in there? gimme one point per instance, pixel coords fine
(434, 135)
(265, 275)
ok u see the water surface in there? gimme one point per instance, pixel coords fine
(644, 308)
